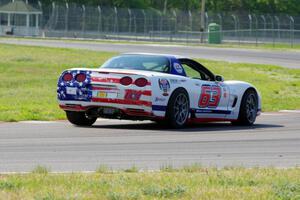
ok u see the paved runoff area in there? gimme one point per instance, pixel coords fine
(273, 141)
(289, 59)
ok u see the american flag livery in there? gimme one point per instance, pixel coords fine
(154, 87)
(102, 88)
(83, 89)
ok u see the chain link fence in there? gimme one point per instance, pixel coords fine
(80, 21)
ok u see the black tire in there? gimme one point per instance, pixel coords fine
(177, 114)
(161, 122)
(248, 109)
(80, 118)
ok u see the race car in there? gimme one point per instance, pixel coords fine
(168, 89)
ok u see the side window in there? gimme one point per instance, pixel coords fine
(205, 77)
(190, 72)
(196, 70)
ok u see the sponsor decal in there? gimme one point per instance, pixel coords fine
(176, 81)
(159, 99)
(178, 68)
(225, 92)
(105, 80)
(212, 111)
(164, 85)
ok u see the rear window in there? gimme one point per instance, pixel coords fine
(138, 62)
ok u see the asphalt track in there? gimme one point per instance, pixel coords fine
(289, 59)
(273, 141)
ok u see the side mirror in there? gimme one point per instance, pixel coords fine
(219, 78)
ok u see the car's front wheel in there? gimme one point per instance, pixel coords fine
(248, 109)
(80, 118)
(178, 109)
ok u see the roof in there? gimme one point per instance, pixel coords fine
(19, 7)
(157, 54)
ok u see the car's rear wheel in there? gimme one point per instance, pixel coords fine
(80, 118)
(248, 109)
(178, 109)
(160, 122)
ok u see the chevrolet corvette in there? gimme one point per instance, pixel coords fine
(168, 89)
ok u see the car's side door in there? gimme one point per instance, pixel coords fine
(210, 97)
(213, 99)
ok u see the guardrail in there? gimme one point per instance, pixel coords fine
(62, 19)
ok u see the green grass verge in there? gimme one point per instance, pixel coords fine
(29, 79)
(29, 74)
(259, 46)
(192, 182)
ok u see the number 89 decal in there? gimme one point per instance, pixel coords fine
(210, 96)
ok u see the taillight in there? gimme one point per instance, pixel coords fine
(141, 82)
(126, 80)
(67, 77)
(80, 78)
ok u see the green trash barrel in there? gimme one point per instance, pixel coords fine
(214, 34)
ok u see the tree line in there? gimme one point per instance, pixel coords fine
(254, 6)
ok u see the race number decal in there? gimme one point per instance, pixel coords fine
(133, 94)
(210, 96)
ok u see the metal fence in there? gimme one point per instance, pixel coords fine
(80, 21)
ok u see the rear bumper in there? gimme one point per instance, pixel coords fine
(122, 111)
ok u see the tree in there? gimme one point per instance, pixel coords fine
(291, 7)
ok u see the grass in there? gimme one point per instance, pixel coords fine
(40, 170)
(29, 74)
(29, 77)
(196, 183)
(260, 46)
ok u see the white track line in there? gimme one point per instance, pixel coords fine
(53, 122)
(38, 122)
(281, 112)
(272, 114)
(289, 111)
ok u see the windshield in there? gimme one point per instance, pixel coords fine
(138, 62)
